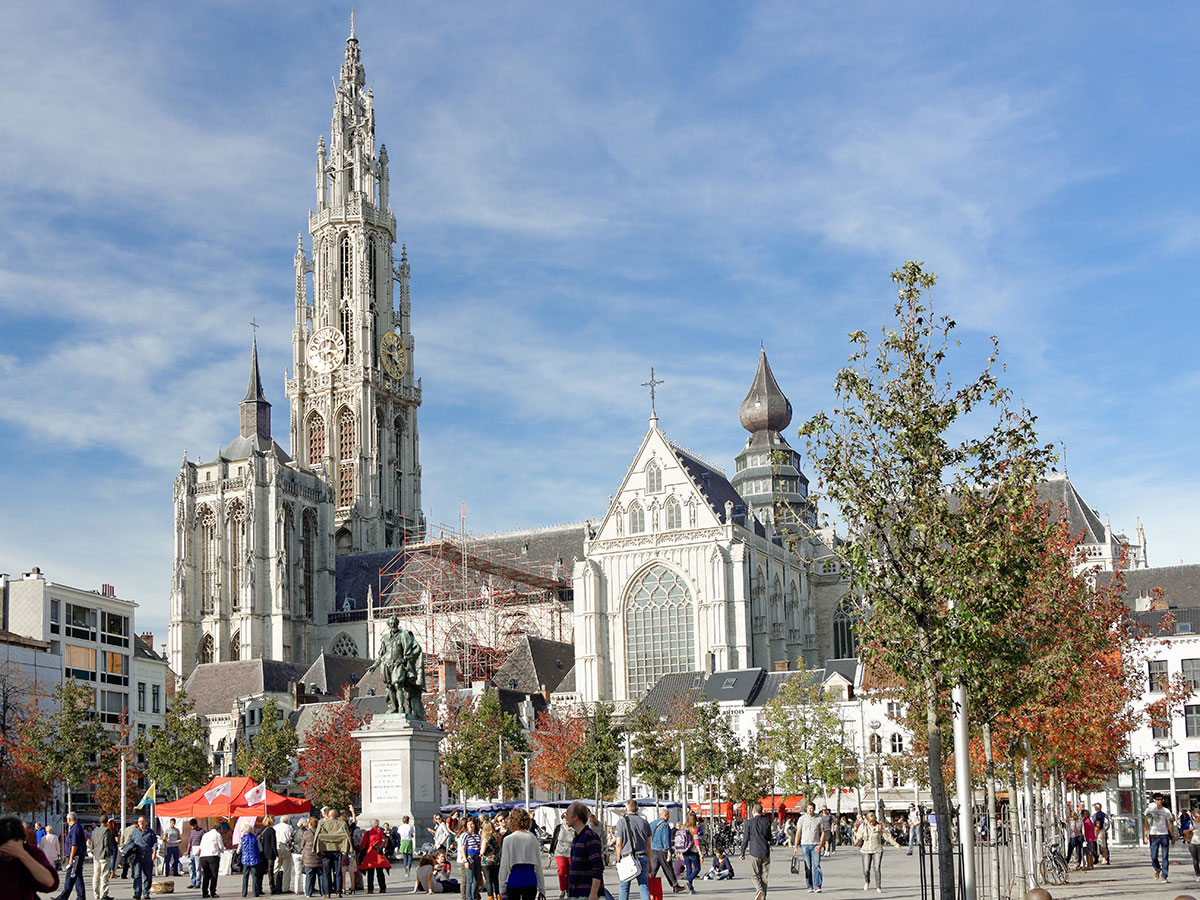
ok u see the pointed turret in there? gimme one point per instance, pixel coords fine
(768, 475)
(256, 411)
(765, 408)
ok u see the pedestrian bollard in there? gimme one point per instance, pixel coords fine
(1038, 894)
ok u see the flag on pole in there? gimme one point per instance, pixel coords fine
(225, 788)
(148, 797)
(256, 794)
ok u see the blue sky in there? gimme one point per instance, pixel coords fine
(587, 190)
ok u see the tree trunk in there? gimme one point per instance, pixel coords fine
(1016, 836)
(941, 809)
(990, 778)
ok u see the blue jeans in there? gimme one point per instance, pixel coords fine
(471, 874)
(171, 862)
(331, 872)
(193, 871)
(143, 876)
(1161, 842)
(74, 876)
(812, 864)
(643, 880)
(914, 837)
(691, 868)
(314, 876)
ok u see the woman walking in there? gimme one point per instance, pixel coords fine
(689, 844)
(560, 848)
(1075, 844)
(408, 834)
(521, 861)
(870, 835)
(490, 858)
(373, 857)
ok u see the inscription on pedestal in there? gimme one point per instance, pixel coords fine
(425, 776)
(387, 781)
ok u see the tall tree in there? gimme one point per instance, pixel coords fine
(925, 500)
(268, 756)
(73, 736)
(482, 747)
(26, 782)
(331, 761)
(598, 765)
(176, 754)
(557, 744)
(712, 747)
(655, 742)
(803, 737)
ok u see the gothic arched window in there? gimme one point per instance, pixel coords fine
(637, 519)
(235, 646)
(371, 276)
(659, 628)
(344, 646)
(208, 560)
(316, 439)
(674, 514)
(237, 552)
(653, 478)
(346, 447)
(205, 652)
(346, 318)
(843, 631)
(346, 268)
(308, 546)
(288, 543)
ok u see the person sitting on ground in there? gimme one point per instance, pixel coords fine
(721, 869)
(425, 880)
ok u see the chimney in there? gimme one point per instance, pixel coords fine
(781, 665)
(1159, 602)
(107, 590)
(147, 636)
(447, 674)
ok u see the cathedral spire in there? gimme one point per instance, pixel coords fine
(765, 408)
(256, 411)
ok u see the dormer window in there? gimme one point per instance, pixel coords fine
(653, 478)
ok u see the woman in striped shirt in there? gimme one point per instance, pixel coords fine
(469, 846)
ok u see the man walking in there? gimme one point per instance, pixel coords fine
(586, 875)
(756, 837)
(826, 820)
(103, 844)
(76, 852)
(810, 841)
(1160, 835)
(632, 838)
(660, 851)
(140, 853)
(1100, 820)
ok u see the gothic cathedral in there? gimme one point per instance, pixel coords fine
(258, 531)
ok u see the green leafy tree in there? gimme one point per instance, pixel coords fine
(480, 753)
(177, 754)
(26, 781)
(268, 755)
(600, 754)
(749, 778)
(73, 737)
(803, 737)
(712, 747)
(926, 498)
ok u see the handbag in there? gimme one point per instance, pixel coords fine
(795, 865)
(627, 868)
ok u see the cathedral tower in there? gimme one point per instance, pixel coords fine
(353, 396)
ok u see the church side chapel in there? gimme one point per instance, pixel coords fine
(303, 555)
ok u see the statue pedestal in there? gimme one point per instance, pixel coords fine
(400, 772)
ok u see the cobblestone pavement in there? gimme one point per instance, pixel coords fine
(1130, 876)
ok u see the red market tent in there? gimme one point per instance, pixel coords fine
(231, 803)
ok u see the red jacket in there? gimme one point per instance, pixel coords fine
(371, 850)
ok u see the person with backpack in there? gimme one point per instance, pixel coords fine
(661, 838)
(687, 842)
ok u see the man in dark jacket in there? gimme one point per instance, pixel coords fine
(268, 849)
(757, 839)
(139, 851)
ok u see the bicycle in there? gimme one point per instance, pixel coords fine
(1053, 866)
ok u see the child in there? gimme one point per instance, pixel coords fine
(721, 867)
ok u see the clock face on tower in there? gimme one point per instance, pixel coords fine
(391, 353)
(326, 350)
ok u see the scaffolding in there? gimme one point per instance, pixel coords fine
(471, 598)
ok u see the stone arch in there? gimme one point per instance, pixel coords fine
(206, 650)
(235, 646)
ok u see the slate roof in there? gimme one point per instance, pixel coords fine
(215, 686)
(847, 668)
(669, 689)
(734, 686)
(773, 683)
(542, 545)
(304, 717)
(751, 687)
(1180, 584)
(1060, 492)
(142, 650)
(535, 663)
(242, 448)
(1186, 622)
(354, 573)
(330, 673)
(715, 488)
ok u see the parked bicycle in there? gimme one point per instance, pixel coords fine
(1053, 867)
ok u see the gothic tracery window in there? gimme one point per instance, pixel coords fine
(653, 478)
(346, 447)
(308, 546)
(843, 631)
(316, 439)
(208, 560)
(237, 552)
(346, 268)
(346, 318)
(205, 653)
(659, 628)
(637, 519)
(344, 646)
(674, 514)
(235, 646)
(371, 269)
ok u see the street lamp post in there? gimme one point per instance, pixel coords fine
(875, 748)
(1168, 747)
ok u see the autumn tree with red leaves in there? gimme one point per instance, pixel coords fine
(557, 745)
(330, 762)
(107, 780)
(26, 783)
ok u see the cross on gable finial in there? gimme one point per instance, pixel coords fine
(652, 384)
(254, 324)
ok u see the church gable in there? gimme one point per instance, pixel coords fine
(666, 489)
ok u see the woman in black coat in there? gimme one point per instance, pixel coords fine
(268, 849)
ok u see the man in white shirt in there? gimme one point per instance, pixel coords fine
(283, 834)
(914, 827)
(1160, 834)
(810, 842)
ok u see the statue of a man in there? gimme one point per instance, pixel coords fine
(401, 665)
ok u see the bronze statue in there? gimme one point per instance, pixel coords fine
(401, 665)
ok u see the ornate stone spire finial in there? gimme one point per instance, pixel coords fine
(352, 23)
(765, 407)
(652, 384)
